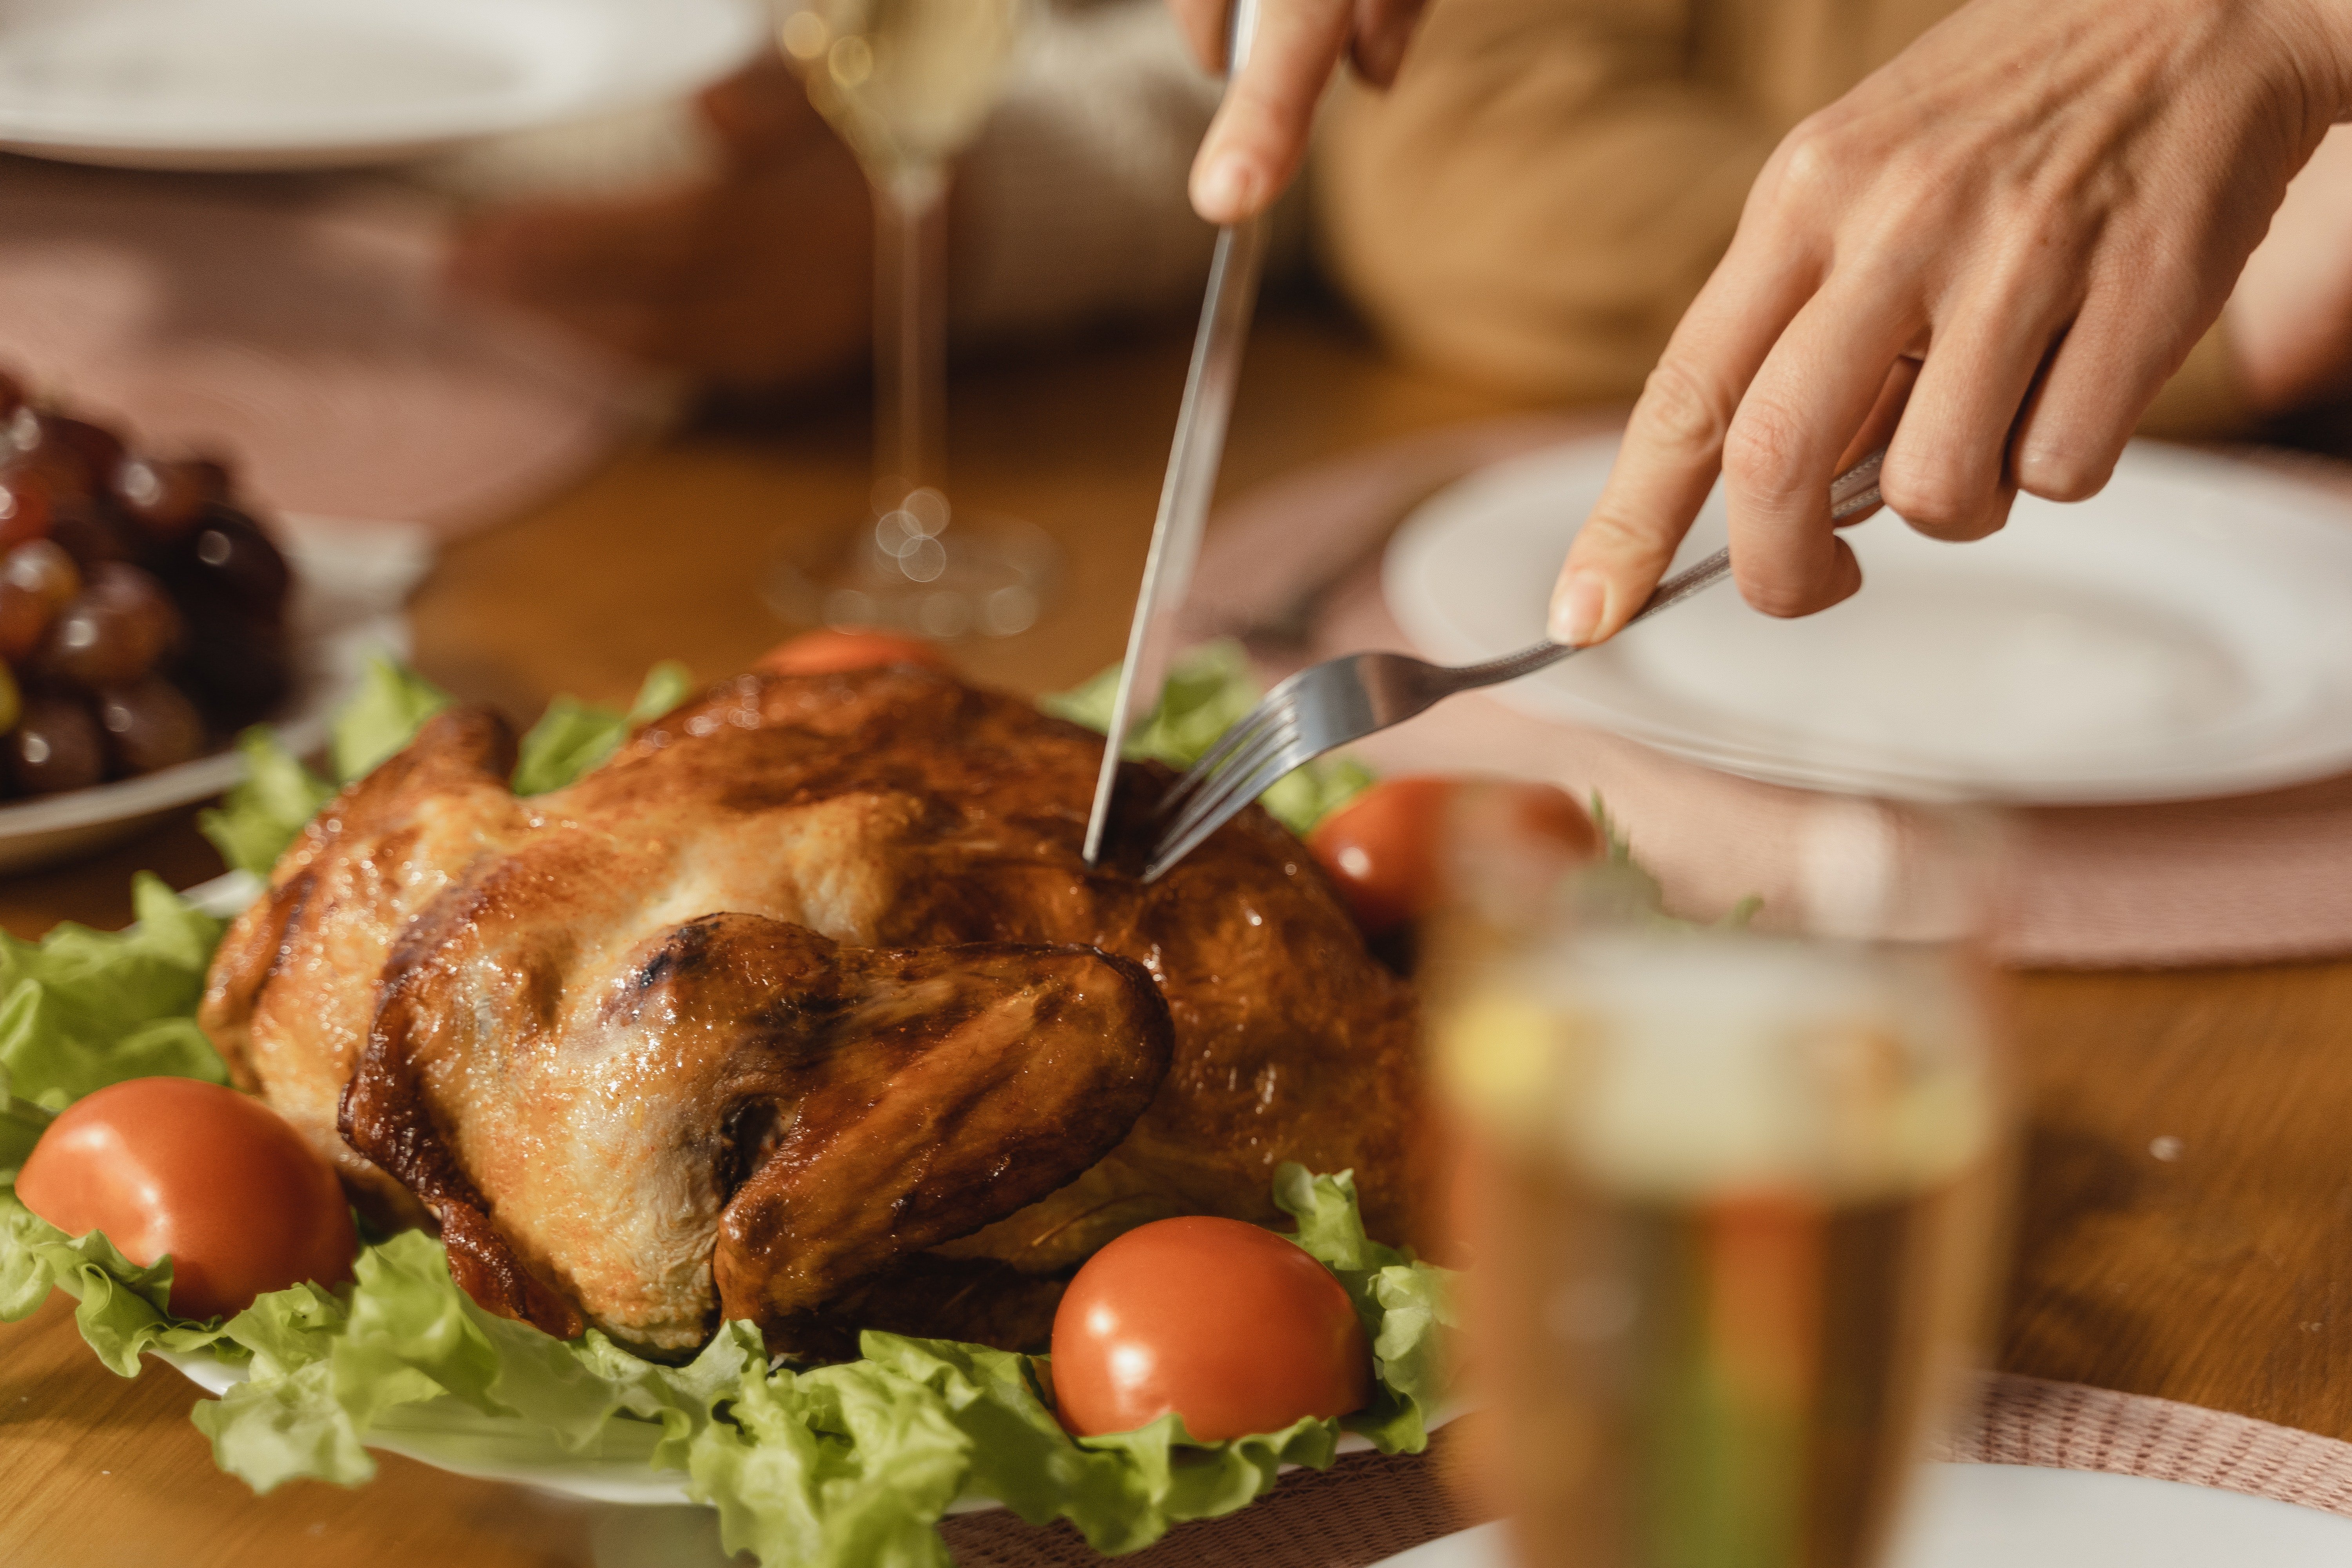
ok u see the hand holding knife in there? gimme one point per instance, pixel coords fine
(1192, 463)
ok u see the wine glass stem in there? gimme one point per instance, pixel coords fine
(909, 331)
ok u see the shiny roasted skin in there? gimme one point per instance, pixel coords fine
(804, 1009)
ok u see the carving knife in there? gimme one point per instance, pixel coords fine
(1193, 462)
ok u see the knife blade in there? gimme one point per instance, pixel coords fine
(1192, 463)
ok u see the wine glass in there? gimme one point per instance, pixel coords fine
(1730, 1197)
(907, 83)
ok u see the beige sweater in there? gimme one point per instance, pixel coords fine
(1551, 180)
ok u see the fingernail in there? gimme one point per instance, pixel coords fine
(1222, 192)
(1577, 608)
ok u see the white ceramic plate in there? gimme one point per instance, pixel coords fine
(273, 84)
(2013, 1516)
(350, 580)
(2187, 633)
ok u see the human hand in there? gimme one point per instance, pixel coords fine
(758, 275)
(1259, 137)
(1989, 255)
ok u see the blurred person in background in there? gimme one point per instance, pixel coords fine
(731, 240)
(1545, 189)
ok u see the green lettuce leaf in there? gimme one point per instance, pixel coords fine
(1404, 1305)
(124, 1309)
(22, 1122)
(1208, 688)
(266, 809)
(1122, 1491)
(391, 705)
(81, 1008)
(573, 737)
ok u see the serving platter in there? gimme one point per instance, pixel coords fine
(452, 1436)
(280, 84)
(2180, 635)
(350, 582)
(2018, 1516)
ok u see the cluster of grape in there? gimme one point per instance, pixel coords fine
(142, 616)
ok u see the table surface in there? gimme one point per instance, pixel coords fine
(2186, 1229)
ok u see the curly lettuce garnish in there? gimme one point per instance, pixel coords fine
(836, 1466)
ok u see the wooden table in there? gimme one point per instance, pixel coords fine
(2187, 1227)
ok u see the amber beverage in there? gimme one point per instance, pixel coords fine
(1732, 1201)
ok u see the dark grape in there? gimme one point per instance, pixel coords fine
(88, 453)
(43, 568)
(150, 725)
(237, 667)
(118, 628)
(56, 746)
(232, 557)
(94, 534)
(24, 619)
(167, 498)
(25, 508)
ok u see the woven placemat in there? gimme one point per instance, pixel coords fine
(1294, 569)
(2069, 1427)
(1366, 1508)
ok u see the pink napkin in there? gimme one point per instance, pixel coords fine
(2249, 880)
(297, 326)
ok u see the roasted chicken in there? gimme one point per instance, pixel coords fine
(804, 1009)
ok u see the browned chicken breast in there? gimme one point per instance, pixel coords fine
(804, 1009)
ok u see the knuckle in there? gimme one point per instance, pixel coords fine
(1936, 500)
(1611, 535)
(1762, 454)
(1810, 162)
(1680, 410)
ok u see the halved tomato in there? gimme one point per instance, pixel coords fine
(213, 1178)
(1384, 850)
(1232, 1327)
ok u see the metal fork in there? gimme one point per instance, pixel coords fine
(1349, 697)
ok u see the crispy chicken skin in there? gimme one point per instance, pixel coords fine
(804, 1009)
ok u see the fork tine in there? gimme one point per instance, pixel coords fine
(1174, 845)
(1272, 743)
(1243, 731)
(1277, 707)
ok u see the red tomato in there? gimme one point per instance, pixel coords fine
(829, 651)
(1381, 849)
(213, 1177)
(1232, 1327)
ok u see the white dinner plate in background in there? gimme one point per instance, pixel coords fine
(276, 84)
(2185, 633)
(2017, 1516)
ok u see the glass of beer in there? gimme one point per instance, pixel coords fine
(907, 84)
(1731, 1198)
